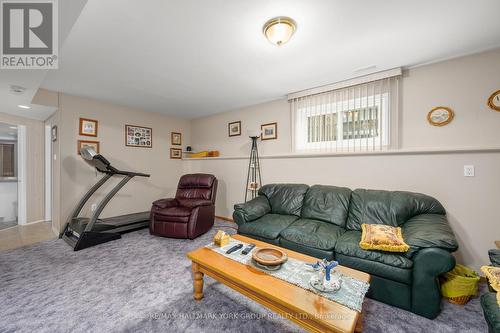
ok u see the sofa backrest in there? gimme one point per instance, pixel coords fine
(327, 203)
(392, 208)
(197, 186)
(285, 199)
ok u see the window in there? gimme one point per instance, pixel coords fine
(356, 118)
(7, 160)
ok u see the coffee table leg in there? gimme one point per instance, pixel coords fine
(359, 324)
(197, 282)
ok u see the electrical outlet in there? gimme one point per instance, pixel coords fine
(93, 207)
(468, 171)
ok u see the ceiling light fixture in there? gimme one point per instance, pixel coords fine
(24, 107)
(279, 30)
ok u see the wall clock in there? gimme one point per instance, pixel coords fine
(494, 101)
(440, 116)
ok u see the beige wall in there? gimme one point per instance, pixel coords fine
(464, 84)
(54, 120)
(76, 177)
(35, 184)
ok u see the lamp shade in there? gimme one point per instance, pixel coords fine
(279, 30)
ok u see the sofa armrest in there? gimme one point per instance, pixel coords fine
(165, 203)
(494, 255)
(251, 210)
(427, 231)
(191, 203)
(428, 264)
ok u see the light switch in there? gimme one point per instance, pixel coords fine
(468, 171)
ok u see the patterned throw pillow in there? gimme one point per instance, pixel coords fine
(382, 237)
(493, 275)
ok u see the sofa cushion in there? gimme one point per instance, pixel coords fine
(348, 244)
(375, 268)
(268, 226)
(313, 233)
(310, 251)
(285, 199)
(388, 207)
(178, 211)
(327, 203)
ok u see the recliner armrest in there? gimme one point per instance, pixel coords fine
(191, 203)
(166, 203)
(427, 231)
(251, 210)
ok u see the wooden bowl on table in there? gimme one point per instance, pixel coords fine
(269, 257)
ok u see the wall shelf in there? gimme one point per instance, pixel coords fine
(423, 151)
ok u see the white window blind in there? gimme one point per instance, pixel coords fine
(361, 117)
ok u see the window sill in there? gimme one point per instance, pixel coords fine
(421, 151)
(8, 179)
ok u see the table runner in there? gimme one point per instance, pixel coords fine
(351, 293)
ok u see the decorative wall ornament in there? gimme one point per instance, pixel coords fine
(269, 131)
(440, 116)
(234, 128)
(88, 127)
(85, 143)
(53, 133)
(176, 138)
(138, 136)
(175, 153)
(494, 101)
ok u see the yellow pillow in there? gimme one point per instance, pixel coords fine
(382, 237)
(493, 275)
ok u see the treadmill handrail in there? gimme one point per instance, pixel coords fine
(85, 198)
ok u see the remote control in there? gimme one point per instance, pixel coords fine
(234, 248)
(247, 249)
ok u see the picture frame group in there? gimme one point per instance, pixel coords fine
(138, 136)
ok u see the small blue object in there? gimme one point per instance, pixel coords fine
(328, 266)
(315, 266)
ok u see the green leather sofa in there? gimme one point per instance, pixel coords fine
(325, 222)
(489, 302)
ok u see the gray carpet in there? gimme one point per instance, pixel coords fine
(142, 283)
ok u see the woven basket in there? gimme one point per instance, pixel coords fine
(461, 300)
(459, 284)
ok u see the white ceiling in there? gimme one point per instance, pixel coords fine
(8, 132)
(193, 58)
(69, 10)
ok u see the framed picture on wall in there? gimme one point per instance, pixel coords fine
(138, 136)
(85, 143)
(176, 138)
(175, 153)
(269, 131)
(88, 127)
(234, 128)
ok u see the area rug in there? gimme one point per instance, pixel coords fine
(142, 283)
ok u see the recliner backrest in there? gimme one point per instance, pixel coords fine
(392, 208)
(197, 186)
(285, 199)
(327, 203)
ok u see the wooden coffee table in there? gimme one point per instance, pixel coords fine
(307, 309)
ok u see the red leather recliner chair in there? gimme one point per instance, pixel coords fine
(191, 213)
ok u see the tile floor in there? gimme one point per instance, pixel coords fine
(19, 236)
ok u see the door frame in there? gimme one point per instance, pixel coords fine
(48, 173)
(22, 218)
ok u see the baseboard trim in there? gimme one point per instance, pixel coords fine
(229, 219)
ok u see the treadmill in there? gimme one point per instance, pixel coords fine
(82, 232)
